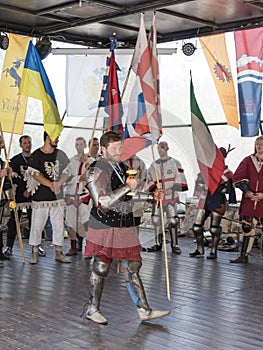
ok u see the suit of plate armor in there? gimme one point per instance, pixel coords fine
(112, 235)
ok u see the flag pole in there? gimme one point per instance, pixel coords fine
(128, 75)
(87, 163)
(7, 154)
(163, 228)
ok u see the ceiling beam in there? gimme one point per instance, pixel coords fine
(123, 11)
(190, 18)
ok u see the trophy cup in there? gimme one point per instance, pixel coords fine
(131, 175)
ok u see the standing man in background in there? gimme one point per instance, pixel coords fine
(77, 197)
(248, 177)
(19, 165)
(172, 180)
(4, 196)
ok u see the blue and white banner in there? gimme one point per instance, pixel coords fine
(249, 59)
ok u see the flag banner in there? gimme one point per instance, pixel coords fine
(13, 106)
(35, 83)
(249, 60)
(84, 79)
(210, 159)
(143, 124)
(214, 47)
(137, 134)
(110, 97)
(152, 44)
(142, 66)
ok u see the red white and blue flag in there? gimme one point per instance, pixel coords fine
(143, 124)
(110, 95)
(249, 59)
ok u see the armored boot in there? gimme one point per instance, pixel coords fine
(145, 312)
(158, 242)
(199, 252)
(97, 279)
(73, 249)
(173, 229)
(243, 258)
(216, 234)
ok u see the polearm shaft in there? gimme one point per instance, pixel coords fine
(17, 221)
(163, 228)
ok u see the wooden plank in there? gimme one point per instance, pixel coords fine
(214, 304)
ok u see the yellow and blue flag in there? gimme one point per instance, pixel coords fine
(35, 83)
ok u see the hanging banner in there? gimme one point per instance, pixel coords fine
(12, 105)
(84, 78)
(249, 59)
(215, 51)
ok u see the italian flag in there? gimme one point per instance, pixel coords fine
(210, 159)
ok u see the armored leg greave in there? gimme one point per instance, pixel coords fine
(199, 237)
(248, 239)
(173, 229)
(97, 278)
(216, 234)
(134, 267)
(157, 230)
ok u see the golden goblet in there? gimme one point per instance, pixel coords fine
(131, 175)
(12, 204)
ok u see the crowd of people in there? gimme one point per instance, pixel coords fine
(101, 199)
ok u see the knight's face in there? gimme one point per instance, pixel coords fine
(112, 152)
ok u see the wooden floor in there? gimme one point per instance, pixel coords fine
(214, 304)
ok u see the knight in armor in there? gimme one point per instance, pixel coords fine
(248, 177)
(112, 233)
(213, 206)
(172, 180)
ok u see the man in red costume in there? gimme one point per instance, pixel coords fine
(249, 179)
